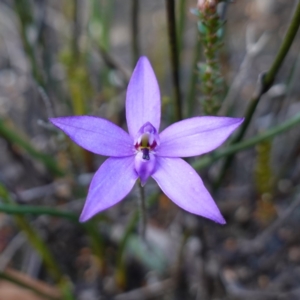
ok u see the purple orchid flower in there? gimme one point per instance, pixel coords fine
(144, 152)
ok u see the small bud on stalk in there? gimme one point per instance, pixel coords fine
(207, 4)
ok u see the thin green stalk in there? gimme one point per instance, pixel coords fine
(266, 82)
(232, 149)
(25, 285)
(135, 31)
(40, 246)
(171, 20)
(142, 211)
(284, 49)
(14, 138)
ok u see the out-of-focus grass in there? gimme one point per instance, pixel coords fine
(91, 84)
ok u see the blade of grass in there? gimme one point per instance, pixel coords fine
(38, 211)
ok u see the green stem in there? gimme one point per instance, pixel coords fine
(171, 20)
(232, 149)
(135, 31)
(284, 49)
(142, 213)
(265, 84)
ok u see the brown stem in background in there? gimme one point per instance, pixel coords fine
(170, 7)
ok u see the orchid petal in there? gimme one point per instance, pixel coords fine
(196, 136)
(143, 98)
(180, 182)
(97, 135)
(111, 183)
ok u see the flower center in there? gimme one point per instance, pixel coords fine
(146, 141)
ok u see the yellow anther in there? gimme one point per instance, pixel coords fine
(145, 141)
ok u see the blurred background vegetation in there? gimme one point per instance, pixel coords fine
(75, 57)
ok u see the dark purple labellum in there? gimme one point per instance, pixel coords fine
(145, 153)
